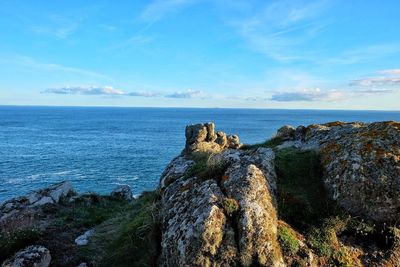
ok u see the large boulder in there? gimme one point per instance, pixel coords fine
(257, 216)
(361, 165)
(195, 230)
(32, 256)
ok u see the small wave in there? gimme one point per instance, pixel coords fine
(127, 179)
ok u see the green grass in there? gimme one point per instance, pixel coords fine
(301, 196)
(271, 143)
(90, 211)
(11, 243)
(132, 239)
(288, 241)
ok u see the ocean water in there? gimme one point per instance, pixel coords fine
(99, 148)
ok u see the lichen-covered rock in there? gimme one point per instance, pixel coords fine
(32, 256)
(175, 170)
(257, 217)
(202, 138)
(196, 231)
(122, 192)
(361, 165)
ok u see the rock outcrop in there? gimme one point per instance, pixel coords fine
(198, 228)
(202, 138)
(361, 165)
(32, 256)
(21, 212)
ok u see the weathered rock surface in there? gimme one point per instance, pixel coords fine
(257, 217)
(196, 228)
(122, 192)
(361, 165)
(20, 212)
(32, 256)
(202, 138)
(83, 239)
(196, 231)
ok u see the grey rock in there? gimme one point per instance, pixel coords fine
(43, 201)
(175, 170)
(286, 132)
(32, 256)
(257, 222)
(196, 231)
(122, 192)
(233, 141)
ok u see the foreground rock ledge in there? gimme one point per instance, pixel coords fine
(361, 172)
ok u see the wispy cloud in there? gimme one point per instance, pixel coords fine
(109, 90)
(363, 54)
(32, 63)
(159, 9)
(308, 96)
(277, 29)
(85, 90)
(58, 26)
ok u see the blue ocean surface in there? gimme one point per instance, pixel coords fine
(98, 148)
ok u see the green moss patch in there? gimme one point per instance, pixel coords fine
(206, 168)
(288, 241)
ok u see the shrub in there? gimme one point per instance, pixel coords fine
(288, 241)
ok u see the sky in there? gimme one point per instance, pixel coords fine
(327, 54)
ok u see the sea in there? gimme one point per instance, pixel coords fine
(98, 148)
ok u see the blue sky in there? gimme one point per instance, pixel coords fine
(328, 54)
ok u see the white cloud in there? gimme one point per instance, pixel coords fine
(308, 96)
(388, 78)
(186, 94)
(85, 90)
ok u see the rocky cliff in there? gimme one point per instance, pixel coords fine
(317, 195)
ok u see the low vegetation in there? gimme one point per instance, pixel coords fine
(230, 206)
(288, 240)
(132, 239)
(12, 242)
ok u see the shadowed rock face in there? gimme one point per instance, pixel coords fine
(361, 165)
(32, 256)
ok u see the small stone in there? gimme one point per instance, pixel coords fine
(83, 240)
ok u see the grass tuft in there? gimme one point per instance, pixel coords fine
(230, 206)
